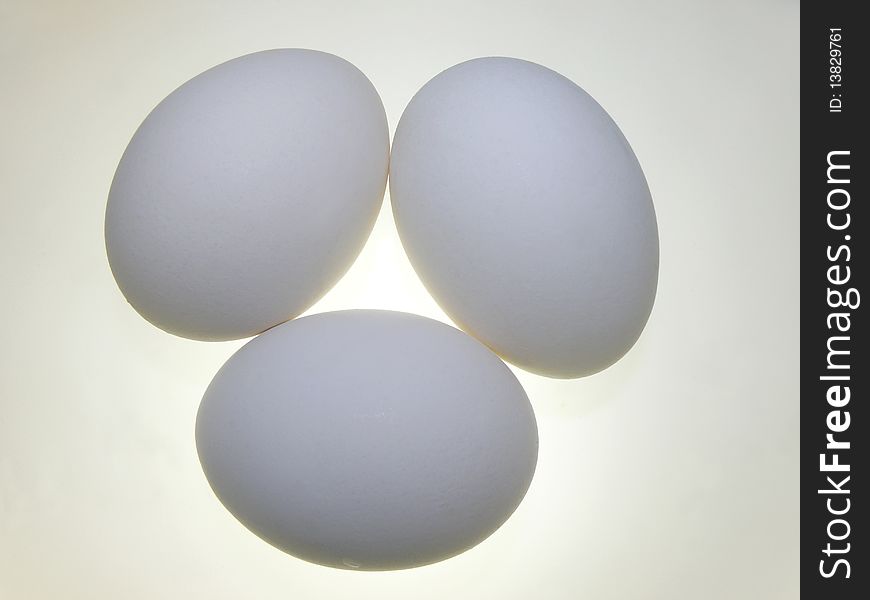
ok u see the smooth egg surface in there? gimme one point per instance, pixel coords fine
(526, 214)
(368, 440)
(247, 193)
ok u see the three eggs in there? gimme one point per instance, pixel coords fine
(370, 439)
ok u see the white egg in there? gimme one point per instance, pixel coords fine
(526, 214)
(367, 440)
(247, 193)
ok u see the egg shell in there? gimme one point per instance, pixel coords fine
(526, 214)
(247, 193)
(368, 440)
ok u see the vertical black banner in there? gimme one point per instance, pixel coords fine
(835, 372)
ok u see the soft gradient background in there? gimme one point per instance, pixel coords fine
(674, 474)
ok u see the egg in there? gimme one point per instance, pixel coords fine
(526, 214)
(247, 193)
(367, 439)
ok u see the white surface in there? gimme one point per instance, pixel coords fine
(247, 193)
(672, 475)
(367, 440)
(526, 214)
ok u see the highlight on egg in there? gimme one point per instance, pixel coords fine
(247, 193)
(367, 439)
(526, 214)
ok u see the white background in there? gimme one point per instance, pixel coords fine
(673, 474)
